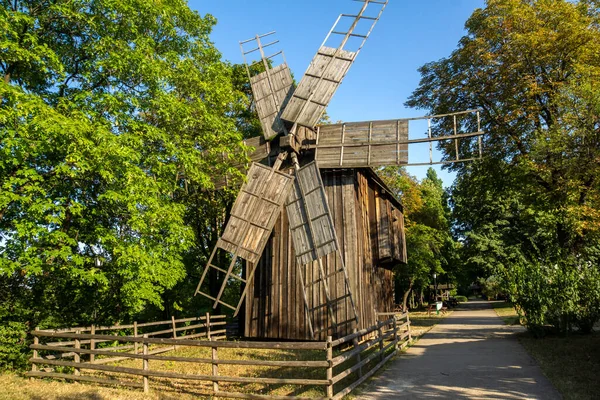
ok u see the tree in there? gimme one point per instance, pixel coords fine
(109, 112)
(528, 213)
(428, 239)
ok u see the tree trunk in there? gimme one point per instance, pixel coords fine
(405, 297)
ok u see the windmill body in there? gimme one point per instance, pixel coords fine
(318, 231)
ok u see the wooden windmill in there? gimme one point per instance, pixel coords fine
(289, 119)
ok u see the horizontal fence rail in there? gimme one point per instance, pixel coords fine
(343, 364)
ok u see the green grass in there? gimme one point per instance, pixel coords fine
(571, 363)
(507, 312)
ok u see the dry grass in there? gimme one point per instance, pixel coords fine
(422, 323)
(197, 387)
(19, 388)
(15, 387)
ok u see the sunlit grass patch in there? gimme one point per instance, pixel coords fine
(507, 312)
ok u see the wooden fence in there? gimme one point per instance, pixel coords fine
(344, 363)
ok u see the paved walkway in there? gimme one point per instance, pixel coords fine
(471, 354)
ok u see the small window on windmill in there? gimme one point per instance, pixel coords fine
(390, 233)
(399, 238)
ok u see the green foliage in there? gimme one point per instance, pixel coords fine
(114, 118)
(13, 346)
(461, 299)
(429, 244)
(490, 287)
(529, 212)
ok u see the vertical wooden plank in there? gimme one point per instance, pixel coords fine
(174, 327)
(215, 367)
(337, 280)
(275, 269)
(92, 342)
(358, 357)
(36, 340)
(395, 334)
(249, 302)
(283, 282)
(135, 333)
(380, 335)
(330, 367)
(342, 148)
(336, 203)
(352, 251)
(146, 365)
(289, 288)
(398, 142)
(208, 336)
(260, 321)
(77, 356)
(370, 139)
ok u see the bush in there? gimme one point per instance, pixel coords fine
(461, 299)
(560, 296)
(13, 346)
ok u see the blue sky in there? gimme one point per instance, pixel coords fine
(409, 34)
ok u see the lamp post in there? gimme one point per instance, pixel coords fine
(437, 309)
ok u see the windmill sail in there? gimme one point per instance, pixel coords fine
(362, 144)
(253, 216)
(327, 70)
(271, 88)
(310, 222)
(314, 237)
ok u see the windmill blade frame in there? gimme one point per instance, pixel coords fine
(314, 236)
(327, 71)
(251, 221)
(271, 88)
(386, 143)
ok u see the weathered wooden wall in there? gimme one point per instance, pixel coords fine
(275, 306)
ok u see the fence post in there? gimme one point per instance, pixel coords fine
(408, 327)
(358, 358)
(135, 333)
(208, 326)
(146, 365)
(215, 367)
(330, 367)
(77, 354)
(36, 340)
(174, 325)
(395, 334)
(380, 333)
(92, 344)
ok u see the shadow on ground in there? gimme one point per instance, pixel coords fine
(470, 355)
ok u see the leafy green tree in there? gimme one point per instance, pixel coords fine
(110, 111)
(428, 240)
(529, 212)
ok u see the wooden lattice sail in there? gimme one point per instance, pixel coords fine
(253, 215)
